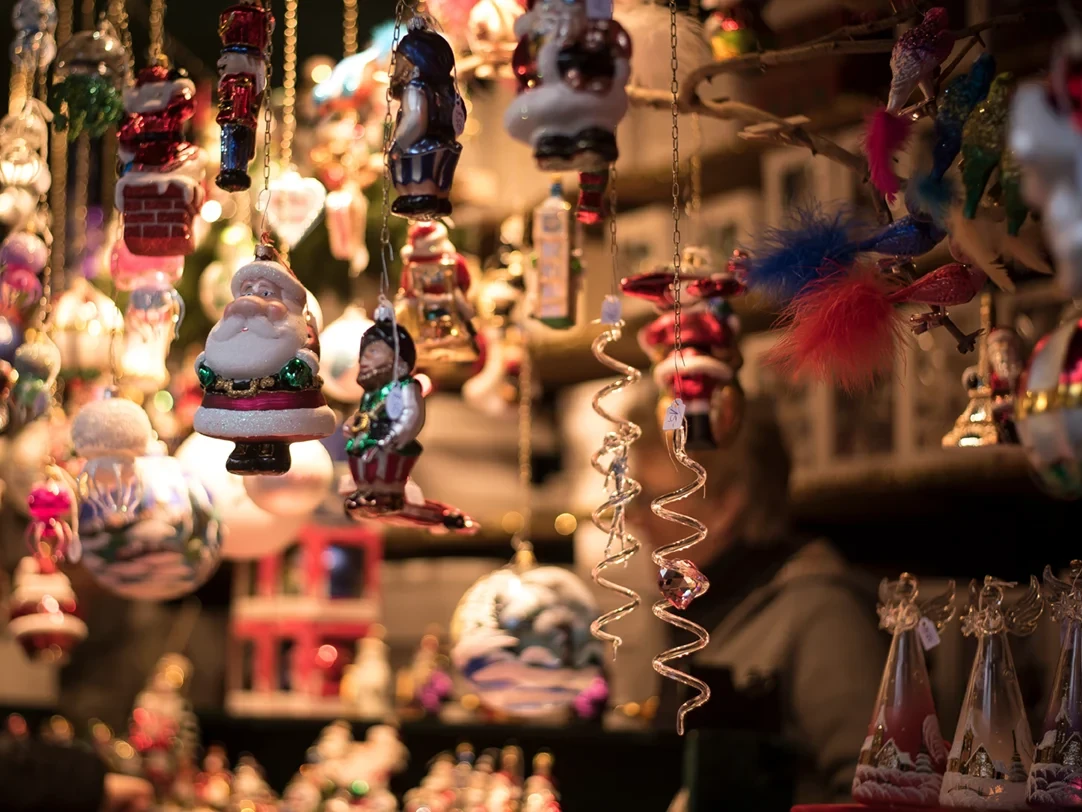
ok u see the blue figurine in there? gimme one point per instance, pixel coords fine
(424, 152)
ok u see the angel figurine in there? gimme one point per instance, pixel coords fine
(989, 761)
(904, 755)
(1055, 779)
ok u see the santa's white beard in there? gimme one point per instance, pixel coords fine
(263, 349)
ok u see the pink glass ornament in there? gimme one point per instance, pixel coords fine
(50, 506)
(43, 613)
(681, 582)
(132, 271)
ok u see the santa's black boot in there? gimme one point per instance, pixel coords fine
(273, 459)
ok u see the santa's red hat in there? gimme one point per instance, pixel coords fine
(176, 87)
(268, 265)
(427, 242)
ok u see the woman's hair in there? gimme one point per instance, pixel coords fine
(757, 457)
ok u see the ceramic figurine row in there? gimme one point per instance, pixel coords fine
(992, 762)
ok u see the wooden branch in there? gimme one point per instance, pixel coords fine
(864, 29)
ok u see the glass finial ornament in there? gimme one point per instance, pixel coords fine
(160, 188)
(111, 434)
(34, 45)
(992, 751)
(902, 759)
(295, 203)
(1048, 424)
(431, 303)
(382, 435)
(88, 79)
(23, 257)
(259, 372)
(424, 150)
(245, 30)
(44, 616)
(24, 166)
(1055, 779)
(37, 365)
(521, 637)
(553, 284)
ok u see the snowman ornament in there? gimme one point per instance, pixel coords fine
(259, 370)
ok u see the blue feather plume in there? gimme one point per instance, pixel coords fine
(788, 259)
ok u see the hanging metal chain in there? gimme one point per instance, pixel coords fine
(289, 83)
(349, 27)
(675, 88)
(385, 252)
(156, 53)
(263, 201)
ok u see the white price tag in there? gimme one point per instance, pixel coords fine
(395, 405)
(611, 310)
(926, 631)
(674, 416)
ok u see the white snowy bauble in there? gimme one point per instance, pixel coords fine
(298, 492)
(249, 532)
(339, 355)
(521, 638)
(166, 547)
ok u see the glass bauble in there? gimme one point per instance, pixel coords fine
(27, 456)
(249, 531)
(168, 546)
(521, 638)
(302, 489)
(85, 322)
(338, 361)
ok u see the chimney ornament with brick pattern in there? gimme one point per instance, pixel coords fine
(160, 188)
(259, 372)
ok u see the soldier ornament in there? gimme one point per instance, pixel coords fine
(259, 373)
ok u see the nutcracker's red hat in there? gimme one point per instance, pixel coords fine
(245, 27)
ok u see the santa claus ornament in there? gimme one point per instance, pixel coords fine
(424, 151)
(431, 303)
(245, 30)
(160, 188)
(259, 372)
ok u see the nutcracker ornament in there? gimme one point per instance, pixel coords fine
(432, 303)
(259, 374)
(424, 151)
(992, 752)
(572, 70)
(44, 616)
(904, 755)
(160, 188)
(382, 436)
(245, 30)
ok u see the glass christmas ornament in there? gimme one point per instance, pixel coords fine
(992, 751)
(346, 213)
(111, 434)
(424, 149)
(1055, 779)
(31, 452)
(43, 614)
(160, 188)
(432, 304)
(294, 205)
(521, 637)
(1049, 424)
(490, 34)
(382, 436)
(259, 374)
(235, 246)
(11, 338)
(34, 23)
(553, 283)
(51, 508)
(249, 532)
(131, 271)
(338, 355)
(7, 379)
(91, 68)
(24, 168)
(163, 729)
(23, 257)
(903, 758)
(572, 67)
(37, 364)
(85, 323)
(167, 546)
(299, 491)
(151, 320)
(245, 30)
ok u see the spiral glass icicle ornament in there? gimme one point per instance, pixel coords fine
(679, 580)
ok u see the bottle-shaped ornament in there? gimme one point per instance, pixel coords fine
(904, 755)
(259, 372)
(245, 30)
(552, 287)
(424, 149)
(1055, 779)
(160, 188)
(432, 303)
(992, 752)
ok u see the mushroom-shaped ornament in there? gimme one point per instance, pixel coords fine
(111, 434)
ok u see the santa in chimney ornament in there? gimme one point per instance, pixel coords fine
(160, 189)
(245, 30)
(259, 370)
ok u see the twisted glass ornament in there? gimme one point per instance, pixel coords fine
(611, 461)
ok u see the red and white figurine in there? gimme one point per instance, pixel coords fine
(44, 616)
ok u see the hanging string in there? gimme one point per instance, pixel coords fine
(349, 27)
(156, 52)
(663, 557)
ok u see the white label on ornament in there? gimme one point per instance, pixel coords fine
(599, 9)
(926, 631)
(395, 406)
(674, 416)
(611, 310)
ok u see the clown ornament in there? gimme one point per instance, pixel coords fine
(259, 371)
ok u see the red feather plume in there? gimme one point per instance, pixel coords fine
(885, 134)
